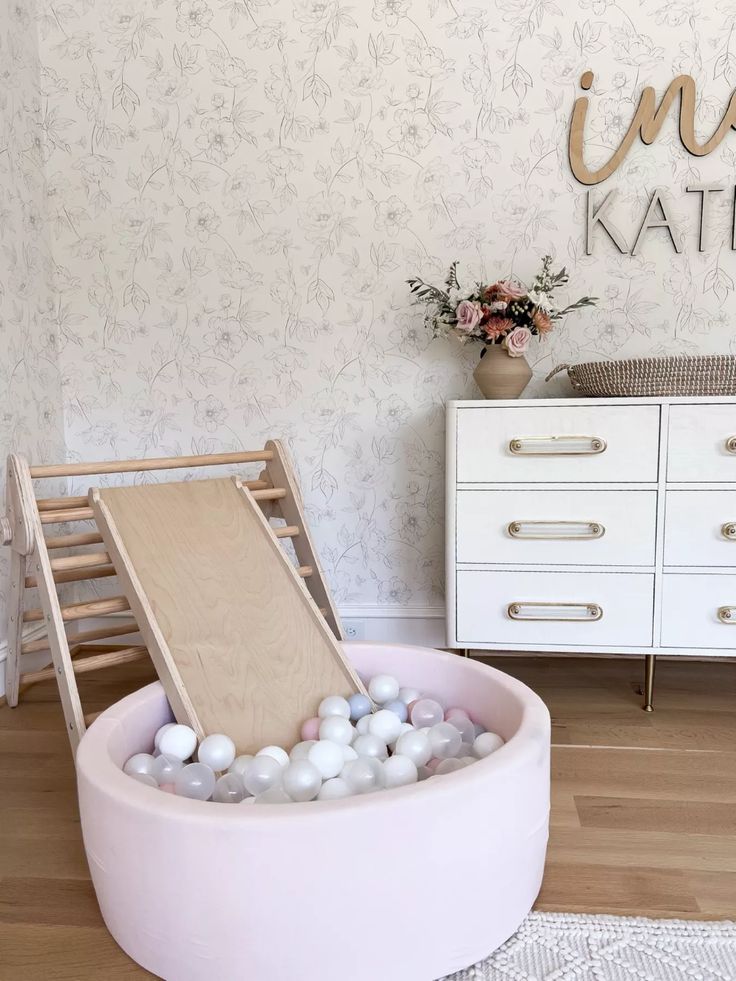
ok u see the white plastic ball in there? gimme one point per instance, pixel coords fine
(165, 768)
(360, 705)
(348, 753)
(398, 708)
(160, 732)
(216, 751)
(383, 688)
(426, 712)
(336, 730)
(369, 745)
(334, 789)
(334, 705)
(361, 726)
(327, 757)
(445, 740)
(423, 773)
(229, 789)
(274, 795)
(360, 776)
(302, 780)
(276, 753)
(262, 773)
(301, 750)
(486, 743)
(416, 746)
(448, 766)
(464, 726)
(179, 741)
(409, 695)
(240, 764)
(144, 778)
(405, 727)
(386, 725)
(195, 780)
(377, 766)
(398, 771)
(140, 763)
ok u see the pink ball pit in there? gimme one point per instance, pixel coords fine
(408, 884)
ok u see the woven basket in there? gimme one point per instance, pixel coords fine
(710, 374)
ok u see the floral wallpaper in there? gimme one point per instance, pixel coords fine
(235, 191)
(30, 388)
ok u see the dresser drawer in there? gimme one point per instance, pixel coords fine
(571, 444)
(699, 441)
(700, 528)
(558, 527)
(690, 611)
(593, 609)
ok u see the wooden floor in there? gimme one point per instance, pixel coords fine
(643, 815)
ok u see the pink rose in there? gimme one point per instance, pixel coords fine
(517, 341)
(469, 315)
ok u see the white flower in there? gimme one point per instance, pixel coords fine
(541, 300)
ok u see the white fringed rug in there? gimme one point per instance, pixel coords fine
(569, 947)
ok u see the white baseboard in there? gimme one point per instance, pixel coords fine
(424, 626)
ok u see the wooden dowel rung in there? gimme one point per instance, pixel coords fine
(287, 531)
(109, 659)
(33, 677)
(305, 571)
(81, 611)
(272, 494)
(82, 636)
(71, 541)
(254, 485)
(76, 575)
(72, 514)
(60, 503)
(80, 561)
(154, 463)
(95, 662)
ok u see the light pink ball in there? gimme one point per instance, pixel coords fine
(310, 729)
(455, 711)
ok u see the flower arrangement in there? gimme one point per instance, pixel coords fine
(506, 312)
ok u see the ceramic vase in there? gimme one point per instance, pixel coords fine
(499, 376)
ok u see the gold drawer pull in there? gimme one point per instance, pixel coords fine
(729, 531)
(727, 614)
(558, 445)
(731, 444)
(588, 612)
(561, 531)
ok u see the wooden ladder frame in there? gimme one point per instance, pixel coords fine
(32, 567)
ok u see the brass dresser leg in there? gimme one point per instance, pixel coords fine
(650, 664)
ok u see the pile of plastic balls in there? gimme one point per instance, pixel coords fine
(354, 746)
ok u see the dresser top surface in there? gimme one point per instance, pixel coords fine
(576, 400)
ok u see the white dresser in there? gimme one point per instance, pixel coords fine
(592, 526)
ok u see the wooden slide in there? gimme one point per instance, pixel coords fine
(238, 642)
(55, 548)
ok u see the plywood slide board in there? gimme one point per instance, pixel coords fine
(237, 641)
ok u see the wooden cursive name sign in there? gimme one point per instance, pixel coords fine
(646, 125)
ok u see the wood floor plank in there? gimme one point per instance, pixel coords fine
(657, 849)
(584, 888)
(647, 814)
(49, 953)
